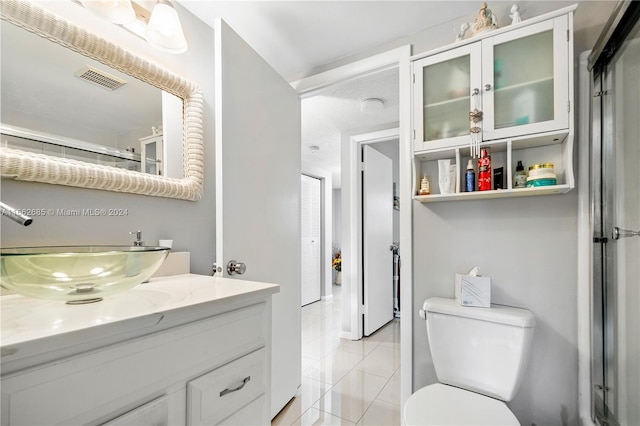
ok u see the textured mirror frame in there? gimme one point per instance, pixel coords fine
(27, 166)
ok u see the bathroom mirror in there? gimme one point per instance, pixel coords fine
(141, 120)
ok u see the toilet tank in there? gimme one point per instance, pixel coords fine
(484, 350)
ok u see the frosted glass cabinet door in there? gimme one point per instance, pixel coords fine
(444, 84)
(525, 80)
(152, 153)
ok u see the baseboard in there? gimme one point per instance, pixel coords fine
(345, 335)
(328, 298)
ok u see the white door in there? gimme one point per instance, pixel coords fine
(377, 227)
(257, 150)
(310, 240)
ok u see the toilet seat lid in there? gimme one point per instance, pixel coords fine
(446, 405)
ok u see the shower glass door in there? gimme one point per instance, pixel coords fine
(616, 184)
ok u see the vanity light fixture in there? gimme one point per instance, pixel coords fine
(117, 11)
(164, 30)
(160, 27)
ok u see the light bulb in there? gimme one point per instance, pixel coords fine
(164, 30)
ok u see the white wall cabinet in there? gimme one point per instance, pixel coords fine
(152, 153)
(521, 79)
(206, 364)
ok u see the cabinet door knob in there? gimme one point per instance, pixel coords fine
(475, 91)
(487, 87)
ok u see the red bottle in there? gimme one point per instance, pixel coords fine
(484, 170)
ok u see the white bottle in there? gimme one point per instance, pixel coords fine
(444, 176)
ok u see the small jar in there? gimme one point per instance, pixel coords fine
(541, 175)
(539, 170)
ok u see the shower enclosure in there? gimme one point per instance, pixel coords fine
(615, 199)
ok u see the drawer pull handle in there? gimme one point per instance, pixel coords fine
(244, 382)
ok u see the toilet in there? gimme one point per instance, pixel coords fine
(480, 356)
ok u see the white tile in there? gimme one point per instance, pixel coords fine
(393, 333)
(381, 413)
(307, 362)
(313, 331)
(352, 395)
(309, 393)
(391, 392)
(333, 367)
(322, 346)
(364, 374)
(362, 346)
(308, 318)
(315, 417)
(384, 334)
(382, 361)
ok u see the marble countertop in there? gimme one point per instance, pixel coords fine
(30, 327)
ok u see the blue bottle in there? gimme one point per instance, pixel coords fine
(470, 178)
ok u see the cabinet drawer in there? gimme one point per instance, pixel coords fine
(154, 413)
(250, 415)
(223, 391)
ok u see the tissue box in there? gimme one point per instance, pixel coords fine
(473, 291)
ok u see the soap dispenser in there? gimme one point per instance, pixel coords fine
(520, 176)
(424, 186)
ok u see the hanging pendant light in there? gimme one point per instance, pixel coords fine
(164, 30)
(117, 11)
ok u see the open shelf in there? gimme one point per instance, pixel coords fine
(552, 147)
(500, 193)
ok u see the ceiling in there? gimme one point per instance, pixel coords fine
(36, 71)
(300, 38)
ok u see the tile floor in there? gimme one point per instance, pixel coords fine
(345, 382)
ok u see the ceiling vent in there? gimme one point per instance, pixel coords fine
(99, 78)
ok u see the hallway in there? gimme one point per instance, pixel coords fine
(345, 382)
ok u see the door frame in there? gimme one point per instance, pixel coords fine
(584, 243)
(309, 86)
(326, 224)
(353, 206)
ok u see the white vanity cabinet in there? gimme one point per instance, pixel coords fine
(520, 79)
(206, 363)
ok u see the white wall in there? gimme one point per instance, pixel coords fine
(527, 246)
(337, 218)
(190, 224)
(589, 19)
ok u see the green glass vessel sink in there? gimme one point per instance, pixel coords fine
(77, 274)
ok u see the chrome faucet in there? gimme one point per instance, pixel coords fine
(138, 242)
(15, 215)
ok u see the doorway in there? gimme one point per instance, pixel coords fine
(396, 59)
(311, 240)
(379, 232)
